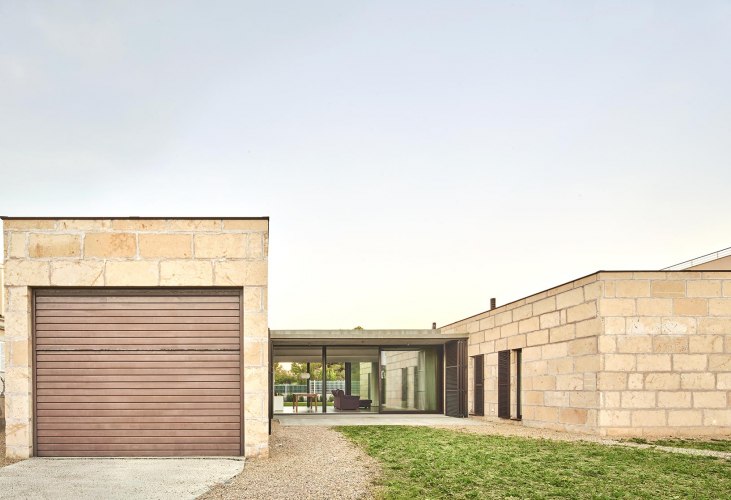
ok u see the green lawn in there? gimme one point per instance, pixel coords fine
(711, 444)
(421, 462)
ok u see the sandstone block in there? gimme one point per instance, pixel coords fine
(653, 362)
(544, 383)
(726, 288)
(704, 288)
(561, 333)
(570, 298)
(537, 338)
(689, 362)
(719, 307)
(253, 352)
(240, 273)
(570, 382)
(583, 346)
(167, 246)
(516, 342)
(487, 323)
(670, 344)
(618, 307)
(529, 325)
(674, 399)
(717, 418)
(256, 245)
(718, 362)
(550, 351)
(709, 399)
(28, 224)
(43, 245)
(644, 325)
(705, 343)
(589, 327)
(607, 344)
(677, 325)
(648, 418)
(581, 312)
(723, 381)
(139, 224)
(698, 380)
(83, 224)
(27, 273)
(254, 300)
(219, 246)
(615, 326)
(549, 320)
(690, 307)
(503, 318)
(615, 418)
(634, 344)
(255, 325)
(110, 245)
(575, 416)
(509, 330)
(684, 418)
(632, 288)
(15, 245)
(132, 273)
(246, 225)
(194, 224)
(638, 399)
(544, 306)
(619, 362)
(668, 288)
(713, 325)
(635, 382)
(662, 381)
(588, 363)
(186, 273)
(654, 307)
(77, 273)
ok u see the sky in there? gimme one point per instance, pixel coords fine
(416, 158)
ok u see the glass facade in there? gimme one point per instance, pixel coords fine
(409, 380)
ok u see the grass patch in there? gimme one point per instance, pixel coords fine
(421, 462)
(696, 444)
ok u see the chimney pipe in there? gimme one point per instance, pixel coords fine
(433, 326)
(493, 303)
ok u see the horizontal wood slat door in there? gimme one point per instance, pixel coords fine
(137, 372)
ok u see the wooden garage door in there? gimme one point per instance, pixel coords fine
(138, 373)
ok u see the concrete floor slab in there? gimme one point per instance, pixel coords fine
(115, 478)
(377, 419)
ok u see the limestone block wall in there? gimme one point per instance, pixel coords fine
(558, 332)
(134, 252)
(666, 353)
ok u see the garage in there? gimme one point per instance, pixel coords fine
(137, 372)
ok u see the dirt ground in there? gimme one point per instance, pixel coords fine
(305, 462)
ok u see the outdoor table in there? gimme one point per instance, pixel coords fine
(306, 395)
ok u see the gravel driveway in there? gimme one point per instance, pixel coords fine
(305, 462)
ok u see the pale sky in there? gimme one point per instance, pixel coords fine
(416, 158)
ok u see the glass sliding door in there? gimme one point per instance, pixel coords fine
(410, 380)
(353, 370)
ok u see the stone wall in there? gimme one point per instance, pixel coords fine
(616, 353)
(134, 252)
(666, 353)
(558, 332)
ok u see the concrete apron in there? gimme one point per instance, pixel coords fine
(115, 478)
(291, 420)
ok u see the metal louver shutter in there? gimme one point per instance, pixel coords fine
(138, 372)
(455, 378)
(503, 384)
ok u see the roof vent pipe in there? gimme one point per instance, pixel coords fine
(493, 303)
(433, 326)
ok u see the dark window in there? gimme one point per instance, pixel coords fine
(503, 384)
(479, 387)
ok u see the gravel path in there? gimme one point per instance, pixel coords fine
(505, 429)
(304, 462)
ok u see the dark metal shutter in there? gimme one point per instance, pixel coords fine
(138, 372)
(503, 384)
(455, 353)
(479, 387)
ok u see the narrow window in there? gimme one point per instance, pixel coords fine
(509, 384)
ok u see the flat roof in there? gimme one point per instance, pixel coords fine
(130, 217)
(362, 337)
